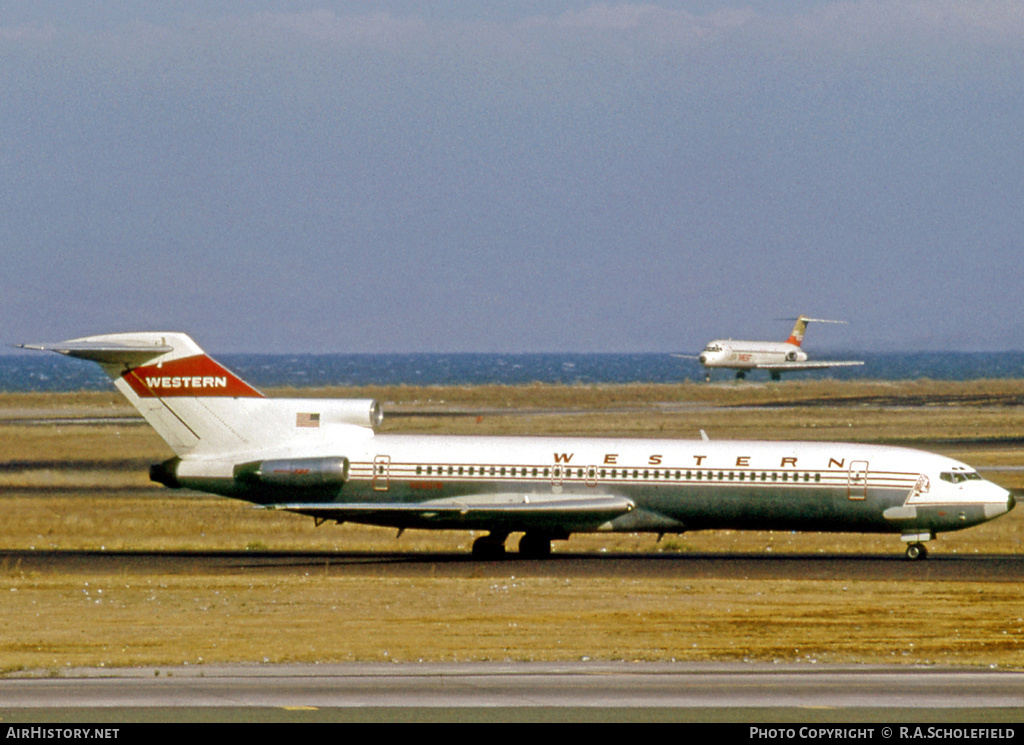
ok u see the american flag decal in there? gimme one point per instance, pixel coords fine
(307, 420)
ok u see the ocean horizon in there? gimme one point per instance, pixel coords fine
(55, 373)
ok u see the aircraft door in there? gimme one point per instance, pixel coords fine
(857, 484)
(381, 472)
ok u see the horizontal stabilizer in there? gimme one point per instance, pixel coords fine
(805, 319)
(106, 352)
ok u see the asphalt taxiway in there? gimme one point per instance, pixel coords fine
(891, 567)
(523, 691)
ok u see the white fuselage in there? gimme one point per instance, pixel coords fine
(674, 485)
(748, 355)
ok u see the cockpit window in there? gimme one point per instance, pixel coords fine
(712, 348)
(958, 477)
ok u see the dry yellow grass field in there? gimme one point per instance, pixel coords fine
(68, 486)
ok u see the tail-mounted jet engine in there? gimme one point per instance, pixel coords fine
(294, 473)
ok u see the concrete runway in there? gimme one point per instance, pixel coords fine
(520, 692)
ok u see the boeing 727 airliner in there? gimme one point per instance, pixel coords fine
(322, 458)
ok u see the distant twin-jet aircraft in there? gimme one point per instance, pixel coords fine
(775, 357)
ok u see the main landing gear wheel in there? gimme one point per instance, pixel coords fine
(534, 546)
(489, 547)
(916, 551)
(741, 374)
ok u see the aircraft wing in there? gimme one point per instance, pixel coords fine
(809, 365)
(508, 511)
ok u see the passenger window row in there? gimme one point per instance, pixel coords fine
(591, 473)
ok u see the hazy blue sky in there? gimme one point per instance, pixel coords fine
(515, 176)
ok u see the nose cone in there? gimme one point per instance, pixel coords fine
(703, 359)
(995, 509)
